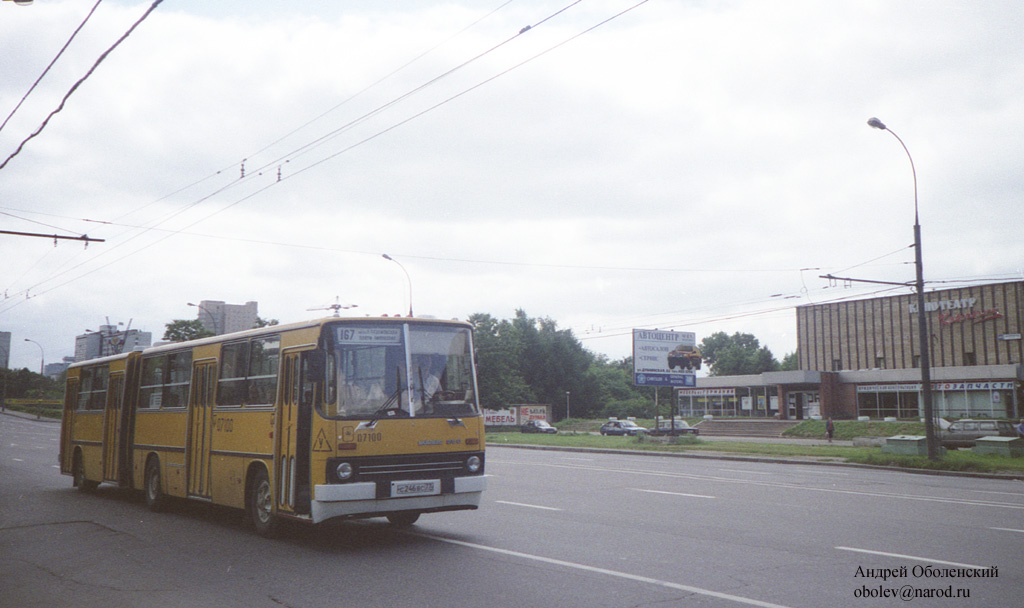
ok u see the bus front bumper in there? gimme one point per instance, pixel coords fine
(360, 500)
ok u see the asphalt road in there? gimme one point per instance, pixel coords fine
(556, 529)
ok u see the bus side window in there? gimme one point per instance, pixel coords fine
(264, 360)
(234, 363)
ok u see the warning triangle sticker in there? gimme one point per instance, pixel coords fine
(321, 444)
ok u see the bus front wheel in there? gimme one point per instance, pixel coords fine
(403, 519)
(261, 505)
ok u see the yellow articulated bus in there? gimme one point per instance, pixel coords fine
(309, 421)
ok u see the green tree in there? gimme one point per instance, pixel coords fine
(790, 362)
(530, 360)
(738, 354)
(25, 384)
(498, 354)
(620, 397)
(181, 330)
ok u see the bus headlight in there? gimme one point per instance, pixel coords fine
(473, 464)
(344, 471)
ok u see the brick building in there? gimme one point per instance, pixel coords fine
(861, 358)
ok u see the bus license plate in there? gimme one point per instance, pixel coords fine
(420, 487)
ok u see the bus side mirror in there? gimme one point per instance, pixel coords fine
(315, 366)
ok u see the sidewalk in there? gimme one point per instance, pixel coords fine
(783, 440)
(28, 416)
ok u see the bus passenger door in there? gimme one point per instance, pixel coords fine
(292, 433)
(66, 424)
(200, 429)
(112, 428)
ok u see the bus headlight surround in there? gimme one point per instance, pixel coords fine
(473, 464)
(344, 471)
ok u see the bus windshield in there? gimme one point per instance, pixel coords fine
(368, 371)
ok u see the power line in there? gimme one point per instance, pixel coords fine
(75, 86)
(281, 178)
(53, 61)
(243, 178)
(252, 173)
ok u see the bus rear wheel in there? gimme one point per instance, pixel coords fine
(80, 482)
(261, 505)
(156, 500)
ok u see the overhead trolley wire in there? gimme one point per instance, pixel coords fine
(75, 86)
(53, 61)
(349, 147)
(253, 174)
(479, 84)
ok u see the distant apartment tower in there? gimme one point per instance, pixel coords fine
(221, 318)
(54, 370)
(110, 341)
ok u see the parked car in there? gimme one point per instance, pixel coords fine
(538, 426)
(964, 433)
(621, 427)
(666, 427)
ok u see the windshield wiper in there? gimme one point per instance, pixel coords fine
(390, 405)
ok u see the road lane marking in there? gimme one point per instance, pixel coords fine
(523, 504)
(673, 493)
(786, 486)
(1007, 530)
(595, 570)
(997, 492)
(912, 557)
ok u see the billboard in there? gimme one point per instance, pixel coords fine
(515, 415)
(665, 358)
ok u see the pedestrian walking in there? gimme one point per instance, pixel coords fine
(830, 430)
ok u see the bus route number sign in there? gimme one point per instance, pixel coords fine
(369, 336)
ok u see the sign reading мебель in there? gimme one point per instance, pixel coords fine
(664, 358)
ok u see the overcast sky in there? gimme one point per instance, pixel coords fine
(676, 165)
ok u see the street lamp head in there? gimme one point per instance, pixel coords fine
(874, 122)
(386, 256)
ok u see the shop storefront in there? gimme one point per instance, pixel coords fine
(949, 400)
(861, 357)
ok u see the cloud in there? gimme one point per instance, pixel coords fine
(682, 165)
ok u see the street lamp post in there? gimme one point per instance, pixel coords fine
(567, 405)
(42, 357)
(407, 277)
(213, 319)
(924, 335)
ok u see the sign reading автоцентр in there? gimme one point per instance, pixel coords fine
(664, 358)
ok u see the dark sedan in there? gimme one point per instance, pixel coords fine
(538, 426)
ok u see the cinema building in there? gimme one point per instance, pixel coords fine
(861, 357)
